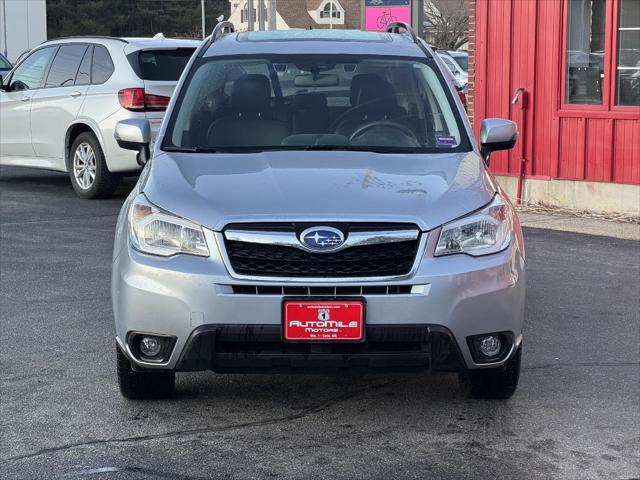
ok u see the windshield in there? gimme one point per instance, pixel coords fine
(314, 102)
(160, 65)
(463, 61)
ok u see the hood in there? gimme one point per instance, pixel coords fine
(215, 190)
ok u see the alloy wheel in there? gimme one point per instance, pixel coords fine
(84, 166)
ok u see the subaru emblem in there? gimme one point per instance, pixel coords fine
(322, 239)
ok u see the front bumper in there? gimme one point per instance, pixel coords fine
(193, 300)
(259, 349)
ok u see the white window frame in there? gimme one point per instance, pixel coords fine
(329, 20)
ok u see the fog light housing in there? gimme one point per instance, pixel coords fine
(490, 347)
(150, 346)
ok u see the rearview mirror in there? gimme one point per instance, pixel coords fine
(497, 134)
(134, 134)
(322, 80)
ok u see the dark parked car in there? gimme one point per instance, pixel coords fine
(5, 66)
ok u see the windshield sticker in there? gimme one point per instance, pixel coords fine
(446, 140)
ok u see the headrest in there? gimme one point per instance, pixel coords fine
(310, 101)
(251, 93)
(356, 84)
(377, 94)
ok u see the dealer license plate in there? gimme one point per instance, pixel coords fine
(323, 320)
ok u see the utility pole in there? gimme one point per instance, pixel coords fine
(204, 33)
(261, 19)
(4, 26)
(250, 18)
(417, 16)
(330, 15)
(272, 12)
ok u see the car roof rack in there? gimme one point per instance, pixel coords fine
(403, 28)
(398, 27)
(221, 29)
(76, 37)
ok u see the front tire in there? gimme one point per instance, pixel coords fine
(495, 384)
(88, 170)
(149, 385)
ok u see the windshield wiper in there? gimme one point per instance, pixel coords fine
(271, 148)
(363, 148)
(190, 149)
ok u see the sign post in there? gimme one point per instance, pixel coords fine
(380, 13)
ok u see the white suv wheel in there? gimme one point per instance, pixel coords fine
(88, 170)
(84, 165)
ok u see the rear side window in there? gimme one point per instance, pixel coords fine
(84, 72)
(65, 66)
(30, 72)
(160, 65)
(102, 66)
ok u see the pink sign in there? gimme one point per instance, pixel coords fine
(377, 18)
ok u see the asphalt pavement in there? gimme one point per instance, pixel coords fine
(576, 414)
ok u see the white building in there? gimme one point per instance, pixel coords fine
(23, 25)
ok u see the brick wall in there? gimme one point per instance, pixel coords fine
(352, 14)
(472, 57)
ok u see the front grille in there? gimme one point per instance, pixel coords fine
(322, 291)
(377, 260)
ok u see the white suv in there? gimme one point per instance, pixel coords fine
(60, 104)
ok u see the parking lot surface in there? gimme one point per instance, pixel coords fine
(576, 414)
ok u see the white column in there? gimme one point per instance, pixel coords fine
(204, 33)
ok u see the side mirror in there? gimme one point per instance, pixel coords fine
(497, 134)
(135, 134)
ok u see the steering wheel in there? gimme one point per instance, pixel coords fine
(387, 124)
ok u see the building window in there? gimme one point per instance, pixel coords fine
(628, 53)
(330, 10)
(244, 14)
(585, 73)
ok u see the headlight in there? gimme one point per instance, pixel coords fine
(154, 231)
(481, 233)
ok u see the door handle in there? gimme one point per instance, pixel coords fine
(25, 99)
(75, 94)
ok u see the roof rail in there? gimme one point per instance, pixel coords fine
(405, 28)
(221, 29)
(72, 37)
(397, 27)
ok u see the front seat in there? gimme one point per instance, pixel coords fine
(248, 122)
(310, 113)
(374, 99)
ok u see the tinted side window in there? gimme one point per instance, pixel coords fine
(84, 72)
(30, 72)
(65, 66)
(102, 65)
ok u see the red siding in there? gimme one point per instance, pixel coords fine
(519, 43)
(626, 168)
(572, 148)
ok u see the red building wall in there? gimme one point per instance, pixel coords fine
(520, 43)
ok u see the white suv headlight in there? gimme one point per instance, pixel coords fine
(156, 232)
(483, 232)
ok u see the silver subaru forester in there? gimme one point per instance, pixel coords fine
(315, 201)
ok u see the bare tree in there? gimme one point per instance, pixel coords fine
(447, 23)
